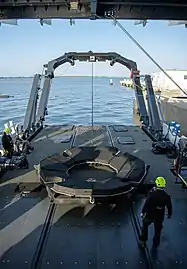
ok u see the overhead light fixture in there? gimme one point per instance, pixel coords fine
(173, 23)
(45, 21)
(10, 22)
(74, 5)
(112, 63)
(143, 22)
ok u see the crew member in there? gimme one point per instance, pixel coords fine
(22, 144)
(153, 211)
(7, 143)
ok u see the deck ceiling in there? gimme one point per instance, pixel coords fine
(85, 9)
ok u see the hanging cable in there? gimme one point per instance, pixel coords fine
(92, 98)
(146, 53)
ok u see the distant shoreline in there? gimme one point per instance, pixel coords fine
(64, 77)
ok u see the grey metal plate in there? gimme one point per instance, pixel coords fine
(125, 140)
(92, 237)
(65, 128)
(66, 139)
(62, 138)
(85, 136)
(120, 128)
(21, 223)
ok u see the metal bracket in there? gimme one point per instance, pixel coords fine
(93, 6)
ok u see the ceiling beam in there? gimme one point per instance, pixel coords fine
(89, 9)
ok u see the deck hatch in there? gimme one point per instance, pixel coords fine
(126, 140)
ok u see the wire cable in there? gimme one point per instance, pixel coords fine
(146, 53)
(92, 97)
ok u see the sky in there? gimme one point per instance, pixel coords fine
(26, 47)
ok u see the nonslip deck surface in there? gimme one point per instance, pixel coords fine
(36, 234)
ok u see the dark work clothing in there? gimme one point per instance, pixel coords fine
(154, 212)
(155, 204)
(6, 141)
(157, 227)
(7, 144)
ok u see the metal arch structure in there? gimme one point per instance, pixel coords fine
(71, 57)
(31, 118)
(94, 9)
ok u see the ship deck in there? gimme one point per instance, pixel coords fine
(35, 233)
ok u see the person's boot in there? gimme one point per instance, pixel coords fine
(142, 243)
(156, 242)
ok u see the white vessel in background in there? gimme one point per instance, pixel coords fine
(161, 82)
(127, 82)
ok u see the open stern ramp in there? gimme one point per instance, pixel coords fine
(92, 237)
(38, 234)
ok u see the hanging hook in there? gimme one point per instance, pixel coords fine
(92, 200)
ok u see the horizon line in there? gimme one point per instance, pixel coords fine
(4, 77)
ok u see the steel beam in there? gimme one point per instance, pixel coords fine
(113, 57)
(157, 126)
(121, 9)
(30, 114)
(140, 101)
(150, 117)
(42, 108)
(93, 7)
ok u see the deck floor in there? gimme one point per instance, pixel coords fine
(36, 234)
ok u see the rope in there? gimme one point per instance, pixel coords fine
(146, 53)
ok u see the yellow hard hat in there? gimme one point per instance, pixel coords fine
(7, 130)
(160, 182)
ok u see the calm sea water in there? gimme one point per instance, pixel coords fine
(70, 101)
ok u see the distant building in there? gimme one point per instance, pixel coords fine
(162, 82)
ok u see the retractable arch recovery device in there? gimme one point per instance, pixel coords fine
(135, 169)
(35, 114)
(71, 57)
